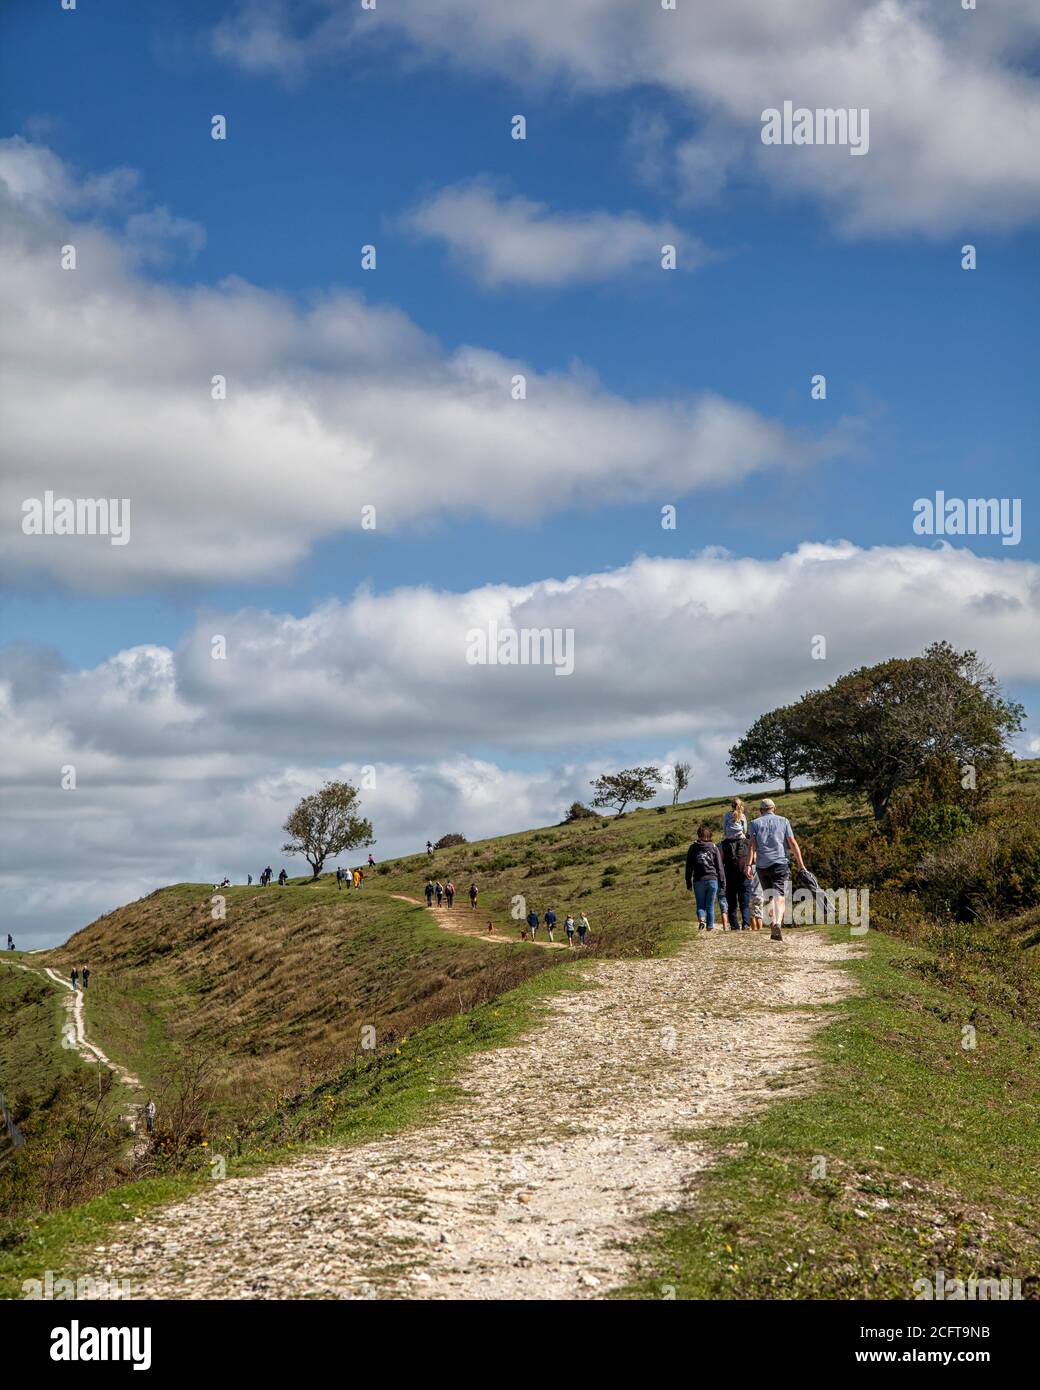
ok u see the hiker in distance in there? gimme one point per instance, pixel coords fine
(440, 892)
(75, 978)
(10, 942)
(86, 976)
(704, 874)
(339, 879)
(429, 892)
(472, 896)
(449, 892)
(583, 929)
(371, 862)
(282, 878)
(568, 927)
(429, 846)
(550, 923)
(149, 1115)
(771, 837)
(532, 923)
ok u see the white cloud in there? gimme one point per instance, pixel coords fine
(186, 765)
(331, 407)
(156, 237)
(515, 241)
(954, 103)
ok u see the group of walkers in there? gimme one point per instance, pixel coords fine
(570, 927)
(265, 878)
(79, 976)
(445, 892)
(350, 877)
(747, 874)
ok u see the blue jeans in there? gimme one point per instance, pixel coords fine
(705, 891)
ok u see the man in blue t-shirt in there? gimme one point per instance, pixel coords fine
(771, 837)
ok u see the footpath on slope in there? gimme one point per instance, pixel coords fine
(533, 1181)
(468, 921)
(74, 1033)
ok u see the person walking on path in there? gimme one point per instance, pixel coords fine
(449, 890)
(249, 880)
(282, 878)
(429, 892)
(583, 929)
(472, 896)
(75, 978)
(734, 822)
(736, 850)
(772, 837)
(371, 862)
(149, 1115)
(339, 878)
(356, 878)
(532, 924)
(704, 873)
(361, 878)
(86, 976)
(550, 923)
(757, 905)
(568, 927)
(440, 892)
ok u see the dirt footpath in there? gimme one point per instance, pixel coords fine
(530, 1186)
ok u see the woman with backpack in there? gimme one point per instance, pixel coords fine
(736, 886)
(704, 873)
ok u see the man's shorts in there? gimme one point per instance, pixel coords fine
(774, 876)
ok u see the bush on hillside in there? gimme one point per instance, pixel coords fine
(446, 841)
(937, 825)
(580, 812)
(993, 872)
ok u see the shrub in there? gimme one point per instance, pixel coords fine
(580, 812)
(446, 841)
(995, 872)
(937, 825)
(670, 841)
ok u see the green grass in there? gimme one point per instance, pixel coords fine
(931, 1158)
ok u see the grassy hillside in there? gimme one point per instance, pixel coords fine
(913, 1126)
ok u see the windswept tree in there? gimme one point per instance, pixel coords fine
(680, 780)
(771, 749)
(617, 789)
(888, 726)
(327, 823)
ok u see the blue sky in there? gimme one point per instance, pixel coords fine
(334, 142)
